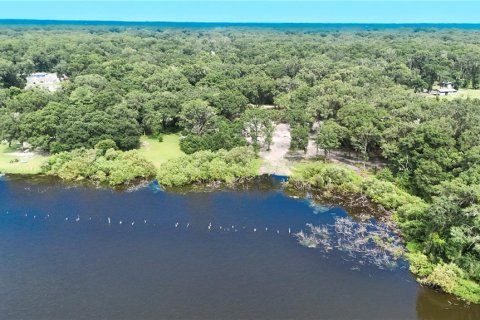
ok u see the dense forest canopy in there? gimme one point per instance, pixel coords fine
(363, 90)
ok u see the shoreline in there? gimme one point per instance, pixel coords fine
(365, 188)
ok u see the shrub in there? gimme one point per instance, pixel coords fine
(444, 276)
(104, 145)
(385, 175)
(325, 176)
(114, 167)
(205, 166)
(419, 264)
(468, 290)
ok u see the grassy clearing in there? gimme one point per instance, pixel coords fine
(159, 152)
(152, 150)
(462, 93)
(466, 93)
(27, 164)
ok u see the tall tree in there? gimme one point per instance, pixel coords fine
(198, 117)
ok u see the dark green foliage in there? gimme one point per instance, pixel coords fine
(9, 75)
(198, 117)
(330, 137)
(29, 101)
(158, 111)
(227, 136)
(299, 138)
(84, 128)
(104, 145)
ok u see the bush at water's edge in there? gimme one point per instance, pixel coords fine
(113, 167)
(408, 211)
(110, 166)
(207, 166)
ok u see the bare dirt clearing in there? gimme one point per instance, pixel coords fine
(280, 161)
(274, 161)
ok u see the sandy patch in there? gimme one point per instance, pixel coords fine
(274, 161)
(280, 162)
(22, 154)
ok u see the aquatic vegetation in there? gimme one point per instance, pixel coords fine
(368, 242)
(440, 232)
(317, 208)
(319, 237)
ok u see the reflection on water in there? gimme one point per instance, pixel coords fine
(81, 253)
(437, 306)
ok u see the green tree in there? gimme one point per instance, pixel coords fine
(9, 125)
(104, 145)
(198, 117)
(299, 138)
(363, 137)
(364, 123)
(9, 75)
(257, 126)
(161, 112)
(330, 136)
(39, 128)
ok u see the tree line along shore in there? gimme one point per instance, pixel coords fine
(209, 101)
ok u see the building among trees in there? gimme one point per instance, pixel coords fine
(49, 81)
(446, 89)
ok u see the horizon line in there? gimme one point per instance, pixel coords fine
(236, 22)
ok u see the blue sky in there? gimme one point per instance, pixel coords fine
(327, 11)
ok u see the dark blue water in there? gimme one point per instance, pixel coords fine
(157, 259)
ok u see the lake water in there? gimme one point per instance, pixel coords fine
(85, 253)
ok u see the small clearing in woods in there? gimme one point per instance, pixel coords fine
(274, 161)
(159, 152)
(15, 161)
(280, 161)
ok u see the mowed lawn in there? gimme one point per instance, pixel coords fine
(29, 163)
(160, 152)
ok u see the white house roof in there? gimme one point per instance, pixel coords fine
(49, 81)
(446, 90)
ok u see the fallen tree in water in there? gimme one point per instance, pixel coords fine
(413, 216)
